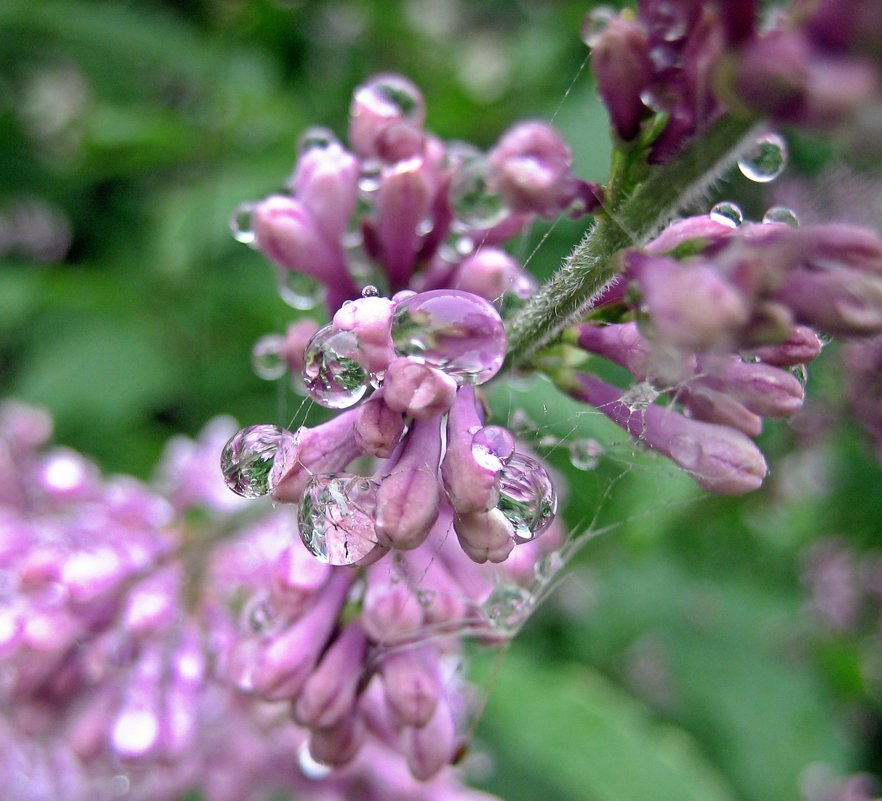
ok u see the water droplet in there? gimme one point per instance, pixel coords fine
(255, 457)
(800, 373)
(399, 93)
(765, 160)
(119, 785)
(404, 294)
(259, 615)
(331, 374)
(299, 291)
(309, 766)
(595, 23)
(781, 214)
(549, 566)
(457, 332)
(526, 497)
(316, 137)
(241, 226)
(492, 447)
(370, 291)
(727, 213)
(640, 396)
(508, 607)
(371, 176)
(476, 205)
(268, 357)
(336, 517)
(585, 453)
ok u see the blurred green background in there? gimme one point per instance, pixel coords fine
(683, 655)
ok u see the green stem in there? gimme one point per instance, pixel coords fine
(631, 222)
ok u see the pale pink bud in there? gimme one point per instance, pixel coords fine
(391, 610)
(412, 683)
(326, 182)
(417, 389)
(371, 321)
(429, 748)
(378, 428)
(484, 536)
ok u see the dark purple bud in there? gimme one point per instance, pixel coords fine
(378, 428)
(739, 20)
(621, 64)
(417, 389)
(800, 347)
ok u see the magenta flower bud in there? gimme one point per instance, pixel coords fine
(417, 389)
(370, 319)
(720, 459)
(383, 101)
(412, 682)
(444, 602)
(337, 745)
(296, 578)
(800, 347)
(287, 233)
(378, 428)
(690, 305)
(403, 202)
(491, 273)
(429, 748)
(842, 303)
(621, 64)
(409, 495)
(326, 182)
(839, 246)
(391, 611)
(400, 141)
(484, 536)
(691, 229)
(702, 403)
(328, 697)
(471, 486)
(621, 343)
(765, 390)
(327, 448)
(531, 169)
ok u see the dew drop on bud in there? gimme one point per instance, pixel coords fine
(595, 23)
(459, 333)
(371, 176)
(255, 457)
(316, 137)
(765, 160)
(404, 294)
(781, 214)
(585, 454)
(299, 291)
(395, 93)
(492, 447)
(336, 517)
(268, 357)
(508, 607)
(727, 213)
(526, 497)
(370, 291)
(332, 376)
(310, 767)
(476, 205)
(241, 226)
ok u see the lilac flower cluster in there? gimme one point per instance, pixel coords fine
(126, 610)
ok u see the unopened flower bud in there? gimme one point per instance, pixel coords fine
(412, 683)
(326, 182)
(378, 428)
(800, 347)
(417, 389)
(370, 319)
(429, 748)
(485, 536)
(766, 390)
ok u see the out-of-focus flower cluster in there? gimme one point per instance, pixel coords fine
(133, 617)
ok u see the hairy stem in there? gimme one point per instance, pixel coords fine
(631, 222)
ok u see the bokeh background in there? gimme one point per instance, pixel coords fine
(695, 648)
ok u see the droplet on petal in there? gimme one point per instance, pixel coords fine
(781, 214)
(316, 137)
(370, 291)
(310, 766)
(299, 291)
(595, 23)
(727, 213)
(255, 457)
(493, 446)
(526, 497)
(508, 607)
(241, 226)
(475, 203)
(336, 517)
(765, 160)
(457, 332)
(267, 357)
(331, 374)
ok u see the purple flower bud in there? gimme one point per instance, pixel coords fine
(718, 458)
(700, 228)
(328, 697)
(801, 346)
(702, 403)
(326, 182)
(418, 390)
(384, 101)
(839, 246)
(409, 495)
(765, 390)
(620, 60)
(391, 610)
(484, 536)
(471, 486)
(412, 682)
(429, 748)
(296, 578)
(444, 602)
(491, 273)
(370, 319)
(378, 428)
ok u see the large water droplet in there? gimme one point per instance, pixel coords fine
(331, 374)
(457, 332)
(493, 446)
(585, 454)
(268, 357)
(595, 23)
(727, 213)
(254, 459)
(765, 160)
(781, 214)
(241, 226)
(476, 205)
(316, 137)
(508, 607)
(336, 517)
(526, 497)
(299, 291)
